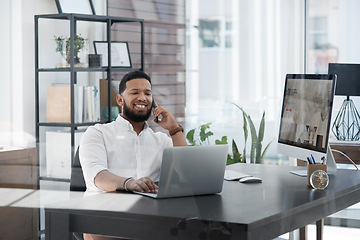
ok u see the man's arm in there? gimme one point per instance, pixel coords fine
(179, 139)
(110, 182)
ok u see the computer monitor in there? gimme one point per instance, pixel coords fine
(306, 116)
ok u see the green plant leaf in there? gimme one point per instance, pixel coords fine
(190, 137)
(59, 44)
(237, 158)
(246, 118)
(222, 141)
(203, 134)
(245, 129)
(229, 160)
(234, 147)
(264, 152)
(262, 128)
(260, 139)
(253, 139)
(256, 139)
(258, 152)
(204, 126)
(79, 43)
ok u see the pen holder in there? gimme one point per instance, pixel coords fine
(312, 168)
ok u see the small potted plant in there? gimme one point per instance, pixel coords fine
(63, 47)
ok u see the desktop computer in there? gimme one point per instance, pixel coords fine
(306, 117)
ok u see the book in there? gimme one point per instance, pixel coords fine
(86, 103)
(79, 103)
(58, 107)
(89, 107)
(91, 102)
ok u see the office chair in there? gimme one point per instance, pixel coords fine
(77, 183)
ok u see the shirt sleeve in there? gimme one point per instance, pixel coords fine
(92, 154)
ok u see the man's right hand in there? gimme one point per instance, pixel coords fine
(144, 184)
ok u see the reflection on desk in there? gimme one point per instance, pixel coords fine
(19, 210)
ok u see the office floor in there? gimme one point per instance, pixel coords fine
(330, 233)
(349, 217)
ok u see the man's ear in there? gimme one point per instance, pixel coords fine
(119, 100)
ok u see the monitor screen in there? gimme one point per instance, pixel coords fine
(348, 78)
(306, 115)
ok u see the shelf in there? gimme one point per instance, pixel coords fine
(69, 22)
(58, 124)
(54, 179)
(74, 69)
(88, 18)
(103, 69)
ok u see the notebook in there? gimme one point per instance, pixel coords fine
(190, 171)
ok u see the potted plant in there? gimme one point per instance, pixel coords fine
(257, 153)
(203, 138)
(63, 47)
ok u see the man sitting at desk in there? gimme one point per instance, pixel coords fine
(126, 154)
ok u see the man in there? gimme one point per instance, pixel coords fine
(126, 154)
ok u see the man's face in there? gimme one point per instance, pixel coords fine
(136, 100)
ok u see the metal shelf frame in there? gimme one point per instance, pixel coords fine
(73, 19)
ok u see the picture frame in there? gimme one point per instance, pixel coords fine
(78, 6)
(120, 56)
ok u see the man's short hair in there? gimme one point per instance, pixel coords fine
(130, 76)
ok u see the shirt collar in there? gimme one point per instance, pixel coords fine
(126, 124)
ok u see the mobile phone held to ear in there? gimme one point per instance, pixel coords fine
(153, 109)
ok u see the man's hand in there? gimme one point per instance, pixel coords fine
(144, 184)
(168, 120)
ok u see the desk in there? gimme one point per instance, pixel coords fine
(281, 203)
(351, 149)
(18, 168)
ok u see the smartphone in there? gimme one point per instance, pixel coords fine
(153, 109)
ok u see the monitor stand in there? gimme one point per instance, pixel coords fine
(330, 161)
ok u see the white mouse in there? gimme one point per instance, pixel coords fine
(250, 180)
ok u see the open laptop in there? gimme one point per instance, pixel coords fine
(189, 171)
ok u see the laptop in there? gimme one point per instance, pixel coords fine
(190, 171)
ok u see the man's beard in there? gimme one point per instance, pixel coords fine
(136, 117)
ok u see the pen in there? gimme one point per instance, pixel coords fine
(308, 159)
(313, 159)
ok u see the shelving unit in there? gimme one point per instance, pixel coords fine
(71, 74)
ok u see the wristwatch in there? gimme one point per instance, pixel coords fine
(176, 130)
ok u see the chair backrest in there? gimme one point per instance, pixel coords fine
(77, 182)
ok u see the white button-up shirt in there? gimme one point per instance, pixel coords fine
(117, 148)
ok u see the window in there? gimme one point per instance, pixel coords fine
(209, 33)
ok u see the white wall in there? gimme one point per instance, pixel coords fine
(5, 83)
(17, 84)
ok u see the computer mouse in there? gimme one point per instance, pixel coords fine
(250, 180)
